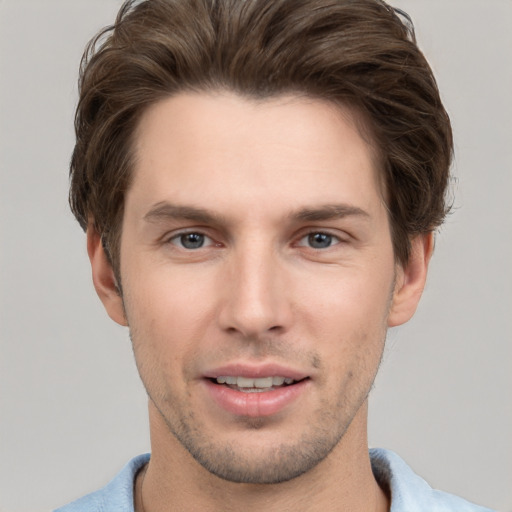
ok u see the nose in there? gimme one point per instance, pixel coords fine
(255, 298)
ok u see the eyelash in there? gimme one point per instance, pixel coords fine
(177, 240)
(332, 238)
(179, 237)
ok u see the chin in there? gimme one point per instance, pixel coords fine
(260, 456)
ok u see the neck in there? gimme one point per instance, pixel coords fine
(174, 481)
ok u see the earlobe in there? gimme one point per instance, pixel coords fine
(410, 280)
(103, 278)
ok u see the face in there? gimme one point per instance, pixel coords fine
(258, 279)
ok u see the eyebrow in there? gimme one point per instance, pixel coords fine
(166, 211)
(330, 212)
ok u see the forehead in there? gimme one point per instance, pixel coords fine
(221, 149)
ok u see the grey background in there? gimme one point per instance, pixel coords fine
(72, 410)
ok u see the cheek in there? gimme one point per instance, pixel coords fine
(167, 294)
(347, 316)
(168, 312)
(357, 299)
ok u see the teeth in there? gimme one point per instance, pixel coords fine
(262, 382)
(227, 380)
(243, 382)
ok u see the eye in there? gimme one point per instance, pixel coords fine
(191, 241)
(318, 240)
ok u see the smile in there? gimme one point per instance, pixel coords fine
(254, 385)
(255, 396)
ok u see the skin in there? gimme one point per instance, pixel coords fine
(296, 268)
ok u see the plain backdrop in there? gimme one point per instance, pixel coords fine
(72, 409)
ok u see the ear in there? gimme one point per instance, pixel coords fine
(410, 280)
(103, 277)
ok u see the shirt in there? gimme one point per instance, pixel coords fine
(408, 491)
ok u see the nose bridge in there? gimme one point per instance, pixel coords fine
(255, 301)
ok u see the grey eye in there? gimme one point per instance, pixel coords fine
(319, 240)
(191, 240)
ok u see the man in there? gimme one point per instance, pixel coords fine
(259, 182)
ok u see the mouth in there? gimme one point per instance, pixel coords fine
(255, 385)
(256, 390)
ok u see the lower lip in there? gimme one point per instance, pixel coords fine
(255, 404)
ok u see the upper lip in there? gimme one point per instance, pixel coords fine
(255, 371)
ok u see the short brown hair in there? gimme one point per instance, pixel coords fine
(360, 53)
